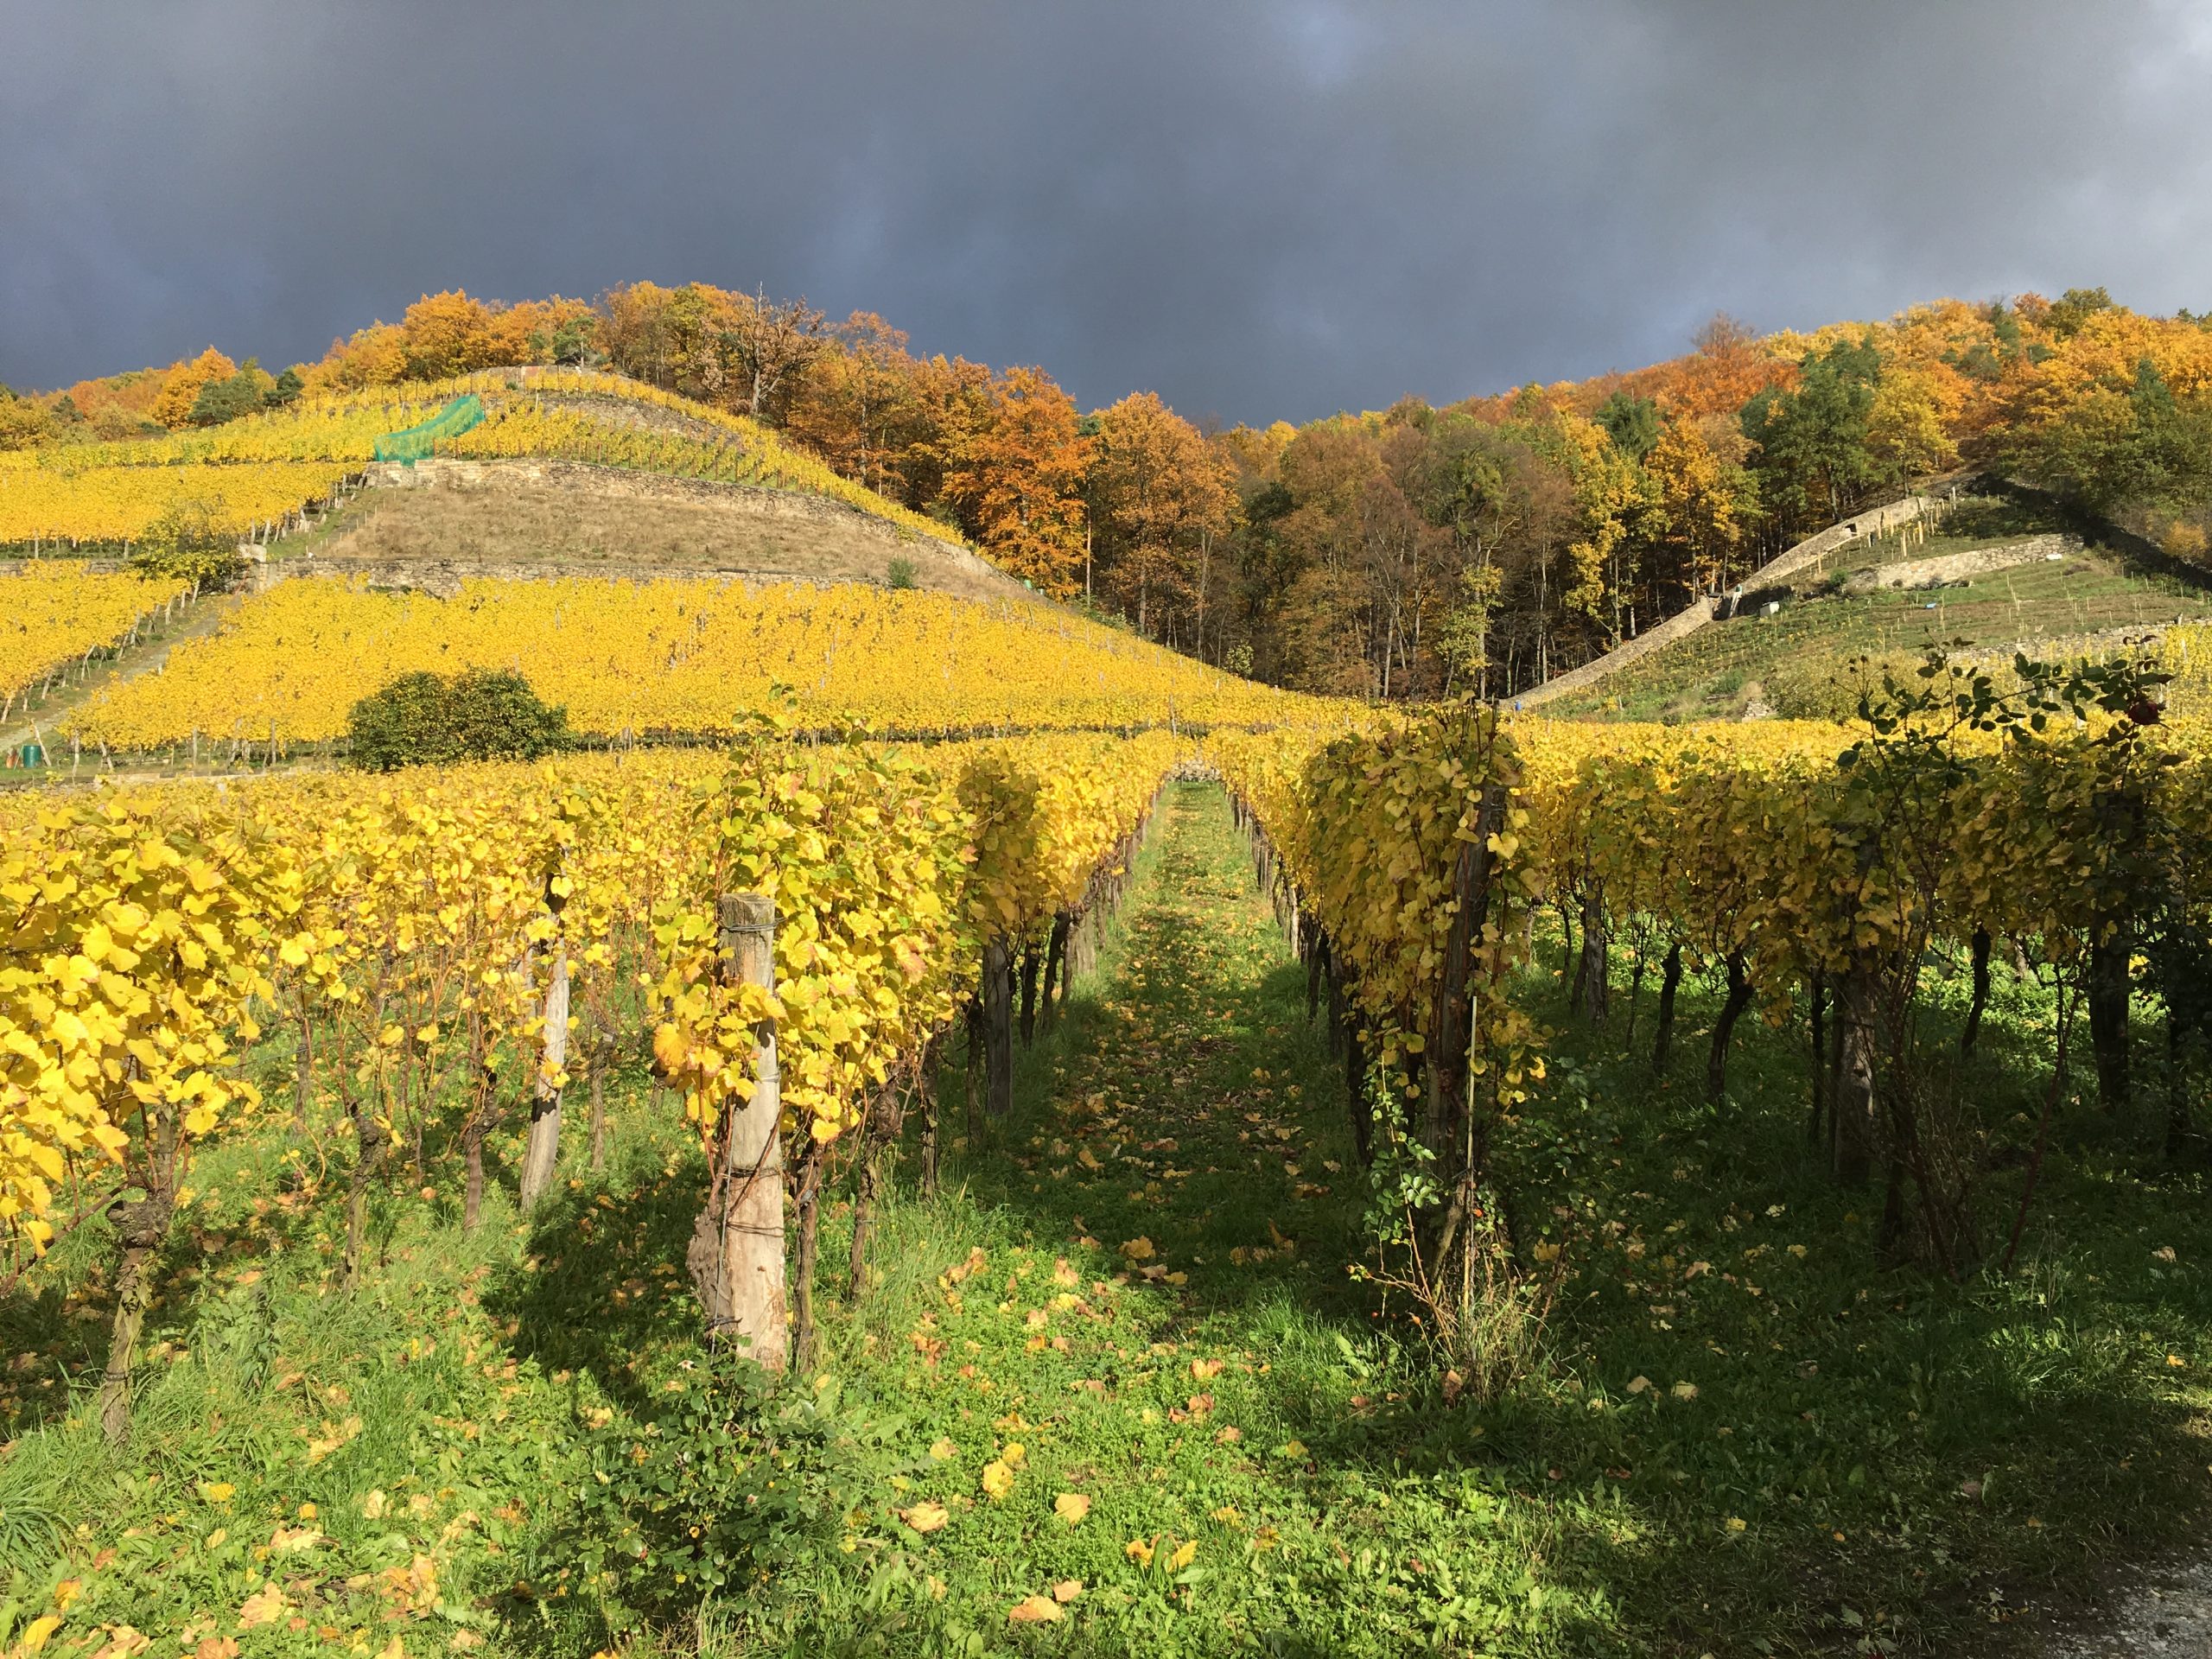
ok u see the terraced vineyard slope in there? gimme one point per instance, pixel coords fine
(1991, 572)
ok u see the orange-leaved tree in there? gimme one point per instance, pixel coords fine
(1161, 495)
(1017, 472)
(181, 386)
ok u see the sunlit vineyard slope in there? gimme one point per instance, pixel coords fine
(262, 466)
(678, 656)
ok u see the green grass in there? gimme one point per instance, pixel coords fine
(1708, 676)
(444, 1421)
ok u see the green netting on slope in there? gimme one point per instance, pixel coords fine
(416, 442)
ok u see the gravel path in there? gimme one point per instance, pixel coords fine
(2166, 1611)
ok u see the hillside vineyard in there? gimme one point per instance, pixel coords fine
(1148, 1101)
(675, 656)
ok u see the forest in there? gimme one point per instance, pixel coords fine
(1417, 551)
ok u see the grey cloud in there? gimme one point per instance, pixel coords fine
(1256, 209)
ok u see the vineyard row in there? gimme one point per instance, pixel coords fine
(455, 947)
(1802, 870)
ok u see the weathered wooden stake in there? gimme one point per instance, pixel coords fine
(541, 1151)
(736, 1256)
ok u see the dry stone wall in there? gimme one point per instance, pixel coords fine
(1795, 561)
(1957, 567)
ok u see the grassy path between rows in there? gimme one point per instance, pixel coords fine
(1118, 1369)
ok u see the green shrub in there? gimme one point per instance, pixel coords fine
(425, 719)
(900, 574)
(735, 1485)
(221, 401)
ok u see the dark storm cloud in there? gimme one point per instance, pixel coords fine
(1258, 210)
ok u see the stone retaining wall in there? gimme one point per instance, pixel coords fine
(90, 567)
(1792, 562)
(1956, 566)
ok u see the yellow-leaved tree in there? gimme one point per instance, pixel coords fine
(181, 385)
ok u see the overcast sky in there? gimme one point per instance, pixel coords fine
(1257, 210)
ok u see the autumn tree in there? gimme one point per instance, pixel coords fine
(24, 424)
(1017, 472)
(1612, 488)
(686, 339)
(1462, 482)
(1692, 516)
(1908, 426)
(633, 330)
(243, 393)
(858, 403)
(2074, 308)
(443, 335)
(180, 386)
(1160, 496)
(374, 356)
(772, 341)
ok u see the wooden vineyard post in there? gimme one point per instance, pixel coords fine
(737, 1248)
(543, 1149)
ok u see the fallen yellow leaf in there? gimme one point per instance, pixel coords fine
(1071, 1507)
(943, 1450)
(265, 1608)
(1034, 1609)
(1066, 1590)
(925, 1517)
(998, 1479)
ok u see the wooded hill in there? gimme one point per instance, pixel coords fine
(1403, 553)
